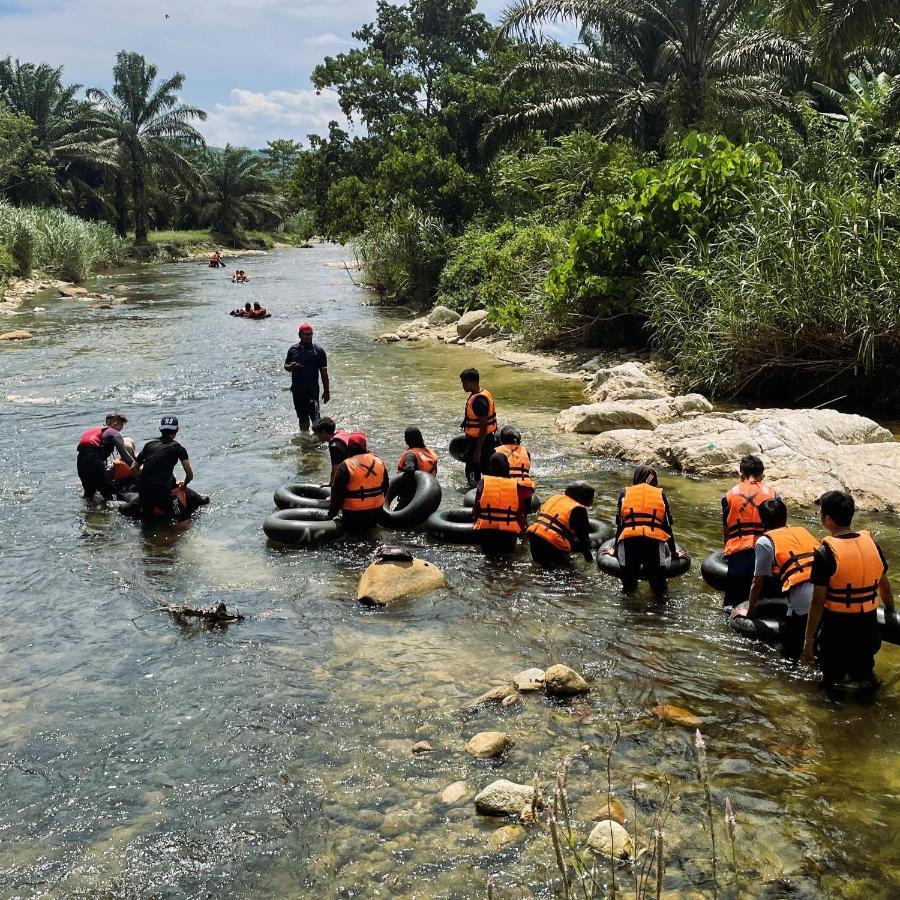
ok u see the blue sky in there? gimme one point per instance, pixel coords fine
(247, 62)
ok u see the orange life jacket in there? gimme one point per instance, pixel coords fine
(498, 506)
(121, 471)
(854, 586)
(472, 423)
(644, 513)
(743, 527)
(92, 437)
(519, 463)
(554, 522)
(427, 460)
(365, 489)
(794, 551)
(180, 505)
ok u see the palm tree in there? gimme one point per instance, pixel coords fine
(150, 127)
(645, 65)
(67, 134)
(239, 191)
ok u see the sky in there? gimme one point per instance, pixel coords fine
(247, 62)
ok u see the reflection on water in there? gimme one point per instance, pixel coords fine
(272, 757)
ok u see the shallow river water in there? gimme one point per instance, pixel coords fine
(140, 758)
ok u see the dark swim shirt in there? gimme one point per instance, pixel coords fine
(158, 460)
(313, 358)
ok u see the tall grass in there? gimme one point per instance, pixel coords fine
(56, 242)
(804, 287)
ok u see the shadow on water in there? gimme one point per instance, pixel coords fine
(141, 757)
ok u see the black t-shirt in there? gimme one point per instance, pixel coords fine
(480, 406)
(313, 358)
(158, 460)
(825, 565)
(338, 451)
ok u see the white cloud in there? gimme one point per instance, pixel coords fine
(327, 40)
(252, 118)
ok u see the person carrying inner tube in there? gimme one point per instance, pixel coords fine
(562, 527)
(786, 553)
(849, 575)
(479, 425)
(742, 527)
(305, 361)
(338, 442)
(155, 472)
(519, 458)
(416, 458)
(644, 537)
(500, 507)
(359, 488)
(95, 447)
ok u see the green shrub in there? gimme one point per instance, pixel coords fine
(21, 249)
(301, 223)
(7, 266)
(803, 288)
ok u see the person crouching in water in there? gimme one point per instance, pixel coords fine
(786, 553)
(644, 537)
(359, 488)
(849, 574)
(519, 458)
(95, 447)
(500, 508)
(416, 458)
(562, 527)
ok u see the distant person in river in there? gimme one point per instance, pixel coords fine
(501, 504)
(742, 527)
(216, 260)
(360, 487)
(95, 447)
(239, 277)
(159, 494)
(563, 527)
(479, 425)
(338, 442)
(849, 576)
(258, 312)
(645, 541)
(783, 554)
(306, 361)
(519, 458)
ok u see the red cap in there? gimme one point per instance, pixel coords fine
(305, 327)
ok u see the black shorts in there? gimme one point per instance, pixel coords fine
(306, 405)
(846, 644)
(93, 473)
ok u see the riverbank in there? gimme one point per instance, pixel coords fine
(632, 413)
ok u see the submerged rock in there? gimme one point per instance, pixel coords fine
(611, 839)
(598, 809)
(443, 315)
(529, 680)
(18, 335)
(503, 798)
(387, 581)
(508, 834)
(453, 793)
(496, 695)
(561, 681)
(676, 715)
(487, 744)
(423, 747)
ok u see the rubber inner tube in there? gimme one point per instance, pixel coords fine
(305, 527)
(674, 567)
(534, 504)
(452, 526)
(302, 496)
(600, 532)
(457, 448)
(714, 570)
(425, 500)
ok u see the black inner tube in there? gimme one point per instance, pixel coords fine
(674, 567)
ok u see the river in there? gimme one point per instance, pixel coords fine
(140, 758)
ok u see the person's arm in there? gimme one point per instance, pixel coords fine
(326, 386)
(476, 506)
(338, 490)
(289, 366)
(138, 464)
(524, 495)
(119, 444)
(812, 621)
(610, 551)
(337, 452)
(725, 520)
(886, 594)
(581, 528)
(667, 524)
(764, 563)
(188, 471)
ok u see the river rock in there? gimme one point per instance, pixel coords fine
(503, 798)
(387, 581)
(390, 338)
(70, 290)
(488, 744)
(469, 321)
(18, 335)
(676, 715)
(453, 793)
(529, 680)
(483, 329)
(508, 834)
(610, 839)
(598, 809)
(628, 381)
(561, 681)
(423, 747)
(496, 695)
(595, 418)
(510, 699)
(443, 315)
(806, 452)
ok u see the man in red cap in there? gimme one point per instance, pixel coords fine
(305, 360)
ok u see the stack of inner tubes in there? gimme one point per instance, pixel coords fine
(674, 567)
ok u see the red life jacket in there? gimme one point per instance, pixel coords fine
(92, 437)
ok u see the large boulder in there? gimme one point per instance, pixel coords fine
(503, 798)
(70, 290)
(628, 381)
(387, 581)
(18, 335)
(488, 744)
(469, 321)
(596, 418)
(443, 315)
(561, 681)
